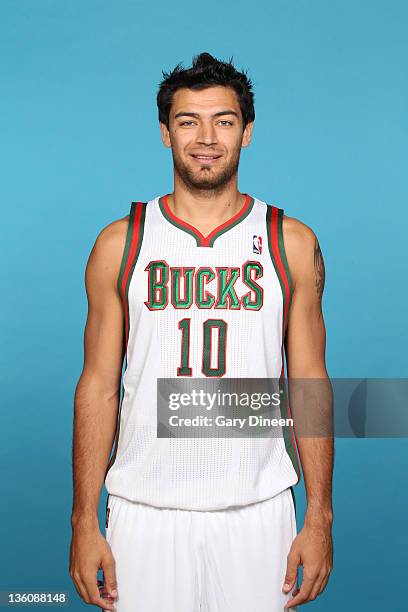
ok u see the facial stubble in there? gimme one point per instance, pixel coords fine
(206, 177)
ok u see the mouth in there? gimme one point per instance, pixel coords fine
(206, 159)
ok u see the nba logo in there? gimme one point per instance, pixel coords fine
(257, 245)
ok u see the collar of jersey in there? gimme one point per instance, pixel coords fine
(206, 241)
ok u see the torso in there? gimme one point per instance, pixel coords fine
(199, 306)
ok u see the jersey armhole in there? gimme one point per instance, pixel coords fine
(134, 238)
(274, 222)
(283, 254)
(125, 254)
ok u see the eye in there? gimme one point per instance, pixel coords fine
(226, 121)
(185, 122)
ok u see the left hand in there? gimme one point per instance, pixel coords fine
(313, 549)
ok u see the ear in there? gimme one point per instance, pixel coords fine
(165, 135)
(247, 135)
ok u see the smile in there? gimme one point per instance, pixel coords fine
(206, 159)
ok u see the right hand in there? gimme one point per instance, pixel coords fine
(90, 552)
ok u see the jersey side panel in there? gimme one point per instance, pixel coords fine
(133, 242)
(277, 251)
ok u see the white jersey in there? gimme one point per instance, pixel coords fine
(199, 306)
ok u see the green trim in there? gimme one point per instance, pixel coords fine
(236, 222)
(200, 289)
(184, 327)
(287, 434)
(275, 265)
(293, 498)
(198, 236)
(175, 274)
(154, 285)
(138, 247)
(208, 326)
(226, 288)
(283, 255)
(125, 257)
(253, 286)
(176, 224)
(128, 242)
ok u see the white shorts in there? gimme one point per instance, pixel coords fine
(173, 560)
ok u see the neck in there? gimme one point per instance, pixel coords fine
(205, 210)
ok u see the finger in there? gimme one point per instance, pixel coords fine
(294, 592)
(106, 597)
(108, 566)
(303, 594)
(79, 585)
(324, 583)
(93, 595)
(291, 572)
(103, 592)
(316, 587)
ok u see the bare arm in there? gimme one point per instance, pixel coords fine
(96, 410)
(305, 349)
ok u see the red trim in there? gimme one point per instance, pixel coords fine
(131, 256)
(205, 240)
(285, 280)
(278, 259)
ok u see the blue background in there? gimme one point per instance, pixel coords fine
(80, 140)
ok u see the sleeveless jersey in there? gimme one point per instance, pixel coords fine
(238, 287)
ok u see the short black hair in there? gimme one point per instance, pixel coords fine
(206, 71)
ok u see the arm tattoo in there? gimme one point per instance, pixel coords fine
(319, 269)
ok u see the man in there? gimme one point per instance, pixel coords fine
(205, 282)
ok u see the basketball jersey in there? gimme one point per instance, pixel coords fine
(212, 306)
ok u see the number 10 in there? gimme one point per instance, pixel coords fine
(208, 326)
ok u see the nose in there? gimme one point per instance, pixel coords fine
(207, 134)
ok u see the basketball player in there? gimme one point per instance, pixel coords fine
(203, 282)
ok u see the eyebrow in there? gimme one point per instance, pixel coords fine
(224, 112)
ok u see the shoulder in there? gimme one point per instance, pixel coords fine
(106, 254)
(302, 248)
(298, 236)
(113, 235)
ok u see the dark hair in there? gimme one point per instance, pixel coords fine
(206, 71)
